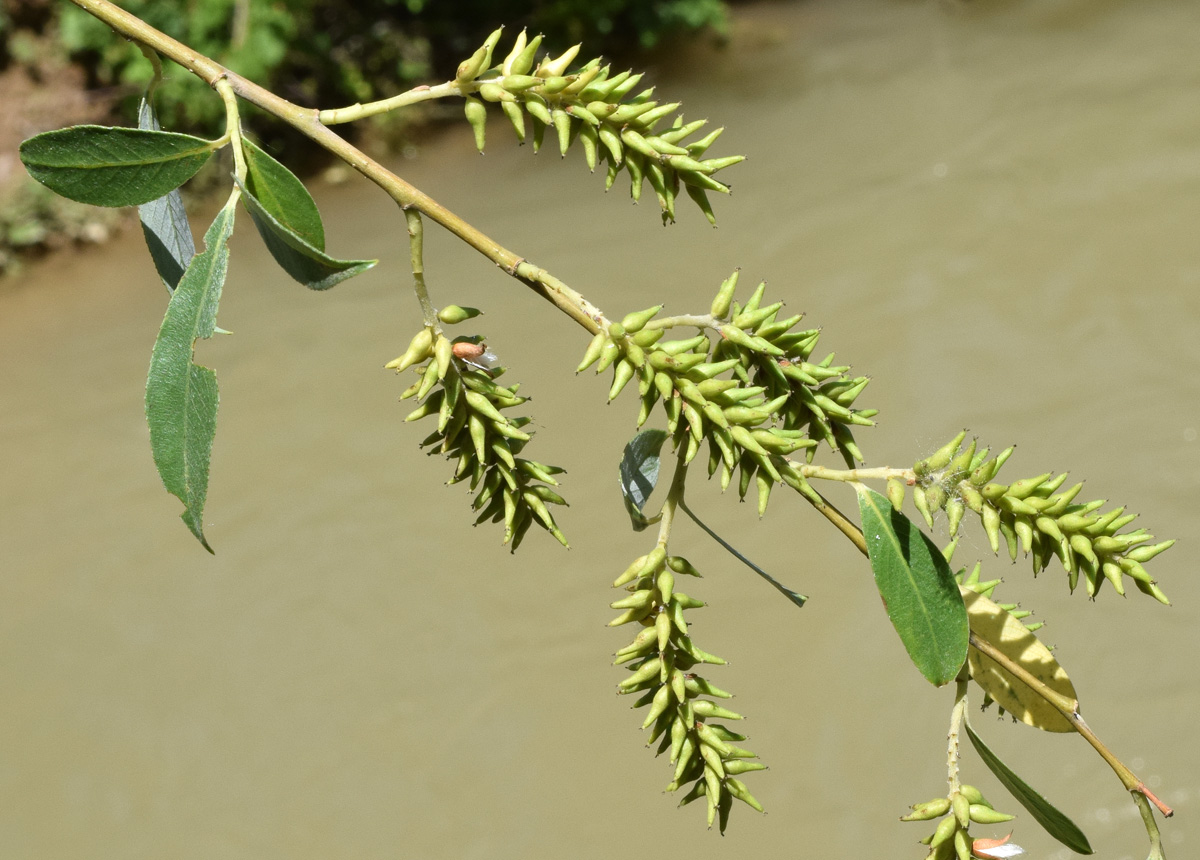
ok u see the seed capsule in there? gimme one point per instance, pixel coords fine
(922, 505)
(962, 809)
(622, 372)
(945, 831)
(711, 710)
(970, 792)
(986, 815)
(940, 458)
(660, 703)
(1143, 554)
(962, 845)
(636, 321)
(419, 349)
(1026, 486)
(679, 564)
(480, 60)
(647, 671)
(741, 765)
(960, 465)
(453, 314)
(929, 810)
(738, 789)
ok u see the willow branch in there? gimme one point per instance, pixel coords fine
(1156, 849)
(307, 121)
(843, 523)
(1069, 709)
(1062, 704)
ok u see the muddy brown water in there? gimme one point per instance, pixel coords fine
(991, 209)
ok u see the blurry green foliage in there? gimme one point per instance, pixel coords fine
(327, 53)
(319, 53)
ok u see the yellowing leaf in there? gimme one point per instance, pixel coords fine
(988, 621)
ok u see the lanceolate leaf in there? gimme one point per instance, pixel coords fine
(1053, 821)
(918, 589)
(181, 396)
(107, 166)
(283, 195)
(795, 596)
(309, 265)
(639, 474)
(988, 621)
(165, 222)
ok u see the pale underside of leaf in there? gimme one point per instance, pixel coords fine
(181, 397)
(106, 166)
(307, 265)
(988, 621)
(918, 589)
(640, 464)
(165, 222)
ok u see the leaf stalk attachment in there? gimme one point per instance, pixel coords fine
(416, 244)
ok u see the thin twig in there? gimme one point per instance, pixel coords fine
(416, 235)
(1067, 707)
(416, 95)
(307, 122)
(880, 473)
(666, 517)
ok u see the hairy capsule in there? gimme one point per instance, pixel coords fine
(940, 458)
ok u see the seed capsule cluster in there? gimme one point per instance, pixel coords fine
(594, 106)
(473, 431)
(754, 395)
(1034, 515)
(951, 838)
(681, 703)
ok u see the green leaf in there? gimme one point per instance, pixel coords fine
(165, 222)
(283, 195)
(639, 474)
(1054, 822)
(181, 396)
(308, 265)
(107, 166)
(918, 589)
